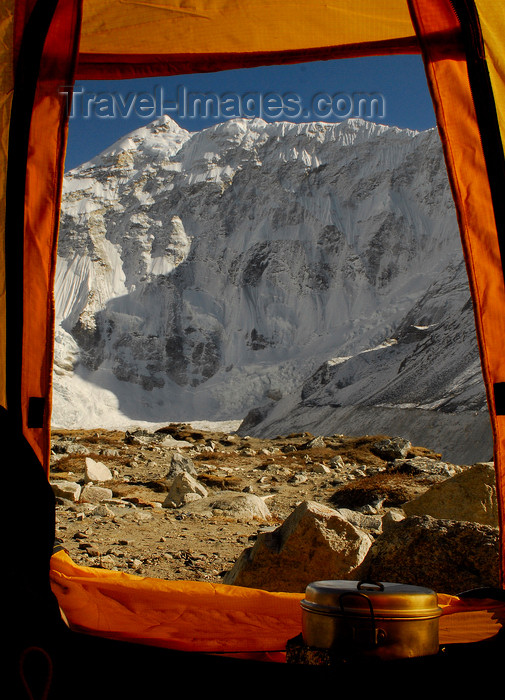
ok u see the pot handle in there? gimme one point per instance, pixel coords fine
(374, 637)
(364, 583)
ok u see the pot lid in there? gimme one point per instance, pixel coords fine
(365, 597)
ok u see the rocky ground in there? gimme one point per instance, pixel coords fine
(133, 532)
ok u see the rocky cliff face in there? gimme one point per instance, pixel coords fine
(286, 266)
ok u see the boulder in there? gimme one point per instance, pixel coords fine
(426, 467)
(233, 504)
(298, 478)
(315, 442)
(392, 448)
(184, 489)
(135, 438)
(314, 542)
(180, 464)
(171, 442)
(69, 490)
(320, 469)
(337, 462)
(390, 517)
(96, 471)
(367, 522)
(470, 495)
(95, 494)
(103, 511)
(73, 448)
(447, 556)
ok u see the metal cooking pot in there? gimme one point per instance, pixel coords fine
(384, 620)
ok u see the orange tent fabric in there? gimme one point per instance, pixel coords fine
(492, 23)
(462, 141)
(46, 44)
(173, 37)
(6, 89)
(37, 141)
(183, 615)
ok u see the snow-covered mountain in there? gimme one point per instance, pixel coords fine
(305, 269)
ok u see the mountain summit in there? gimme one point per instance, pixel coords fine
(311, 272)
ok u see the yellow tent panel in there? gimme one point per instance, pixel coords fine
(224, 26)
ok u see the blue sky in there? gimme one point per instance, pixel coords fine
(388, 89)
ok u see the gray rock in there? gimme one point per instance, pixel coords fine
(95, 494)
(104, 511)
(470, 495)
(298, 478)
(392, 516)
(171, 442)
(69, 447)
(431, 469)
(316, 442)
(370, 509)
(75, 448)
(184, 489)
(68, 490)
(337, 462)
(320, 469)
(110, 452)
(96, 471)
(138, 437)
(392, 448)
(289, 448)
(179, 464)
(234, 504)
(364, 521)
(314, 542)
(447, 556)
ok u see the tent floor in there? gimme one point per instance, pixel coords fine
(94, 668)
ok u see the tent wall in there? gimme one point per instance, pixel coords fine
(465, 72)
(6, 88)
(492, 23)
(44, 62)
(169, 38)
(464, 103)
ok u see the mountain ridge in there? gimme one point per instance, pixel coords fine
(202, 274)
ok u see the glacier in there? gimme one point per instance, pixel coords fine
(287, 276)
